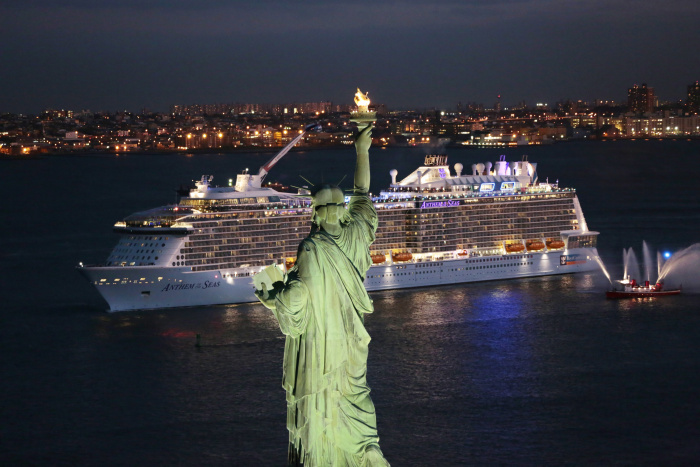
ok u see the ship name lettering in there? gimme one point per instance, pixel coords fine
(439, 204)
(198, 285)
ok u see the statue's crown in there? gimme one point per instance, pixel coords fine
(325, 193)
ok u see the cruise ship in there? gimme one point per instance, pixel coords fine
(437, 226)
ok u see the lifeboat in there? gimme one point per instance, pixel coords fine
(290, 262)
(554, 244)
(515, 247)
(401, 256)
(378, 259)
(534, 245)
(463, 253)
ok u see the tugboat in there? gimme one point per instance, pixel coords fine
(631, 289)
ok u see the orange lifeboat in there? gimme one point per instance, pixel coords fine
(290, 262)
(463, 253)
(515, 247)
(378, 259)
(555, 244)
(534, 245)
(402, 256)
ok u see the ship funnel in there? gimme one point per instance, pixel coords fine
(488, 168)
(458, 169)
(530, 169)
(480, 169)
(502, 166)
(474, 170)
(393, 173)
(418, 177)
(516, 168)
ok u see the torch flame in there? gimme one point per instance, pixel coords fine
(361, 100)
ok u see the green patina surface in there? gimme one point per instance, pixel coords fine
(320, 306)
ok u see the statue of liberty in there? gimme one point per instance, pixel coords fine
(320, 307)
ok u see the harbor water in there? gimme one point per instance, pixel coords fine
(539, 371)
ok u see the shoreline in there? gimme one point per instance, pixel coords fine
(259, 150)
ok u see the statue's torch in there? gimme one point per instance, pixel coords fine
(362, 116)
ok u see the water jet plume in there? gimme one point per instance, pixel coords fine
(682, 269)
(602, 267)
(632, 266)
(646, 255)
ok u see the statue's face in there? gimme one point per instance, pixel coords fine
(329, 204)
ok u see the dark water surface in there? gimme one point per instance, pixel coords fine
(530, 372)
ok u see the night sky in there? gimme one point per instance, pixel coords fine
(130, 55)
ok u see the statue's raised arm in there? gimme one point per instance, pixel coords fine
(362, 144)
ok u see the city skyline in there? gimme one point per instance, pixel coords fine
(86, 55)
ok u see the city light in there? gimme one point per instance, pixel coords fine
(251, 125)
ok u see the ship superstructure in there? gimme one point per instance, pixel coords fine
(433, 213)
(436, 227)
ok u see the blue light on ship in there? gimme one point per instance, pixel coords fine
(667, 254)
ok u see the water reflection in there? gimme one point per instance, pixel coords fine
(497, 302)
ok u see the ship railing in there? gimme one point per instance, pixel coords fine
(472, 195)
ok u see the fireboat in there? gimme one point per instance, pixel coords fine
(631, 289)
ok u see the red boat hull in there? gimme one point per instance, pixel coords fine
(623, 294)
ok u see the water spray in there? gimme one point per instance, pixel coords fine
(602, 267)
(646, 254)
(631, 265)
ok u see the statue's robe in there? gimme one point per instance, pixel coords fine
(330, 416)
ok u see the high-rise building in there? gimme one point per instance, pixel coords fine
(694, 97)
(640, 98)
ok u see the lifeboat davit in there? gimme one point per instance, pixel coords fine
(402, 256)
(378, 259)
(515, 247)
(290, 262)
(555, 244)
(534, 245)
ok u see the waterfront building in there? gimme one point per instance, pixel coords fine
(693, 100)
(584, 120)
(661, 126)
(640, 99)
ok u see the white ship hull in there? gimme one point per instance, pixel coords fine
(152, 287)
(434, 228)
